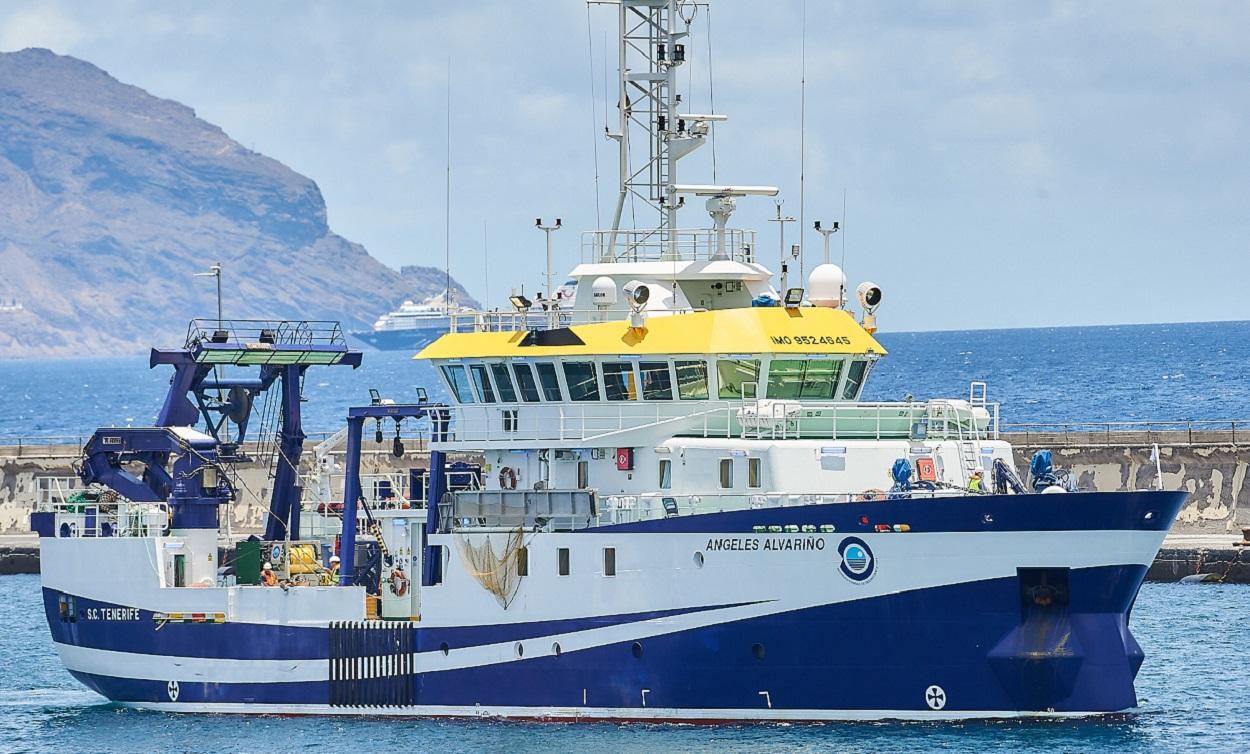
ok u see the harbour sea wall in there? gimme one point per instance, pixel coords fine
(1212, 464)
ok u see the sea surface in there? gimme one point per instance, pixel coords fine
(1152, 373)
(1193, 689)
(1192, 692)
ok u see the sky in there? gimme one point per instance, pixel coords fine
(1004, 164)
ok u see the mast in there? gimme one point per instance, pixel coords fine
(649, 52)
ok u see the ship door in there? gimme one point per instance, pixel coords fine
(180, 570)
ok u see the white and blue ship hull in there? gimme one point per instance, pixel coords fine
(934, 623)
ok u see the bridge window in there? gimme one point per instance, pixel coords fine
(618, 381)
(726, 473)
(458, 381)
(526, 384)
(666, 474)
(503, 382)
(692, 380)
(656, 383)
(549, 381)
(482, 382)
(854, 379)
(582, 381)
(736, 376)
(803, 378)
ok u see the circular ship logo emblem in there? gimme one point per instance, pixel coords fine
(858, 563)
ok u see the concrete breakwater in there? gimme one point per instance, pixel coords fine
(1213, 465)
(23, 467)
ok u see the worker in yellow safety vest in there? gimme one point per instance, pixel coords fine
(976, 483)
(334, 570)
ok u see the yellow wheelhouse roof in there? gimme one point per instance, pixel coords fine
(806, 330)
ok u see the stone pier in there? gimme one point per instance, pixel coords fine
(1213, 465)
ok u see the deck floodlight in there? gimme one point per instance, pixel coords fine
(794, 297)
(637, 293)
(375, 398)
(422, 396)
(219, 336)
(268, 336)
(520, 302)
(869, 296)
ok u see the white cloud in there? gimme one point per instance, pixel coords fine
(44, 26)
(402, 156)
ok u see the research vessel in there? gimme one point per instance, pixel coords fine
(669, 504)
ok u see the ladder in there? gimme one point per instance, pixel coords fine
(968, 454)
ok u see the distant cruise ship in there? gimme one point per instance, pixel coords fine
(413, 326)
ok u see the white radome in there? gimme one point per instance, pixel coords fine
(826, 286)
(603, 291)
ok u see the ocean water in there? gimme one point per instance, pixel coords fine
(1192, 690)
(1072, 374)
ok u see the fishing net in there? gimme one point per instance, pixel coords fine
(499, 574)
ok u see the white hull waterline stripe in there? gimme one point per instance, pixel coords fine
(147, 667)
(607, 713)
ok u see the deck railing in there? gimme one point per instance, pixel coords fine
(275, 331)
(655, 245)
(544, 319)
(625, 509)
(121, 518)
(762, 419)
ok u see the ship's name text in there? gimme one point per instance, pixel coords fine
(767, 544)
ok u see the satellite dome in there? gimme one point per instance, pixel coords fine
(603, 291)
(826, 286)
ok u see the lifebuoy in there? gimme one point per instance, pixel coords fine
(399, 583)
(507, 478)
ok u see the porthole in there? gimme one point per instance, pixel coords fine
(446, 650)
(637, 649)
(698, 560)
(758, 650)
(555, 649)
(520, 649)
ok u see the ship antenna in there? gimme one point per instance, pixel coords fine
(447, 205)
(843, 265)
(594, 119)
(802, 138)
(711, 89)
(485, 268)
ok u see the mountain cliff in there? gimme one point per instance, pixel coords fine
(111, 199)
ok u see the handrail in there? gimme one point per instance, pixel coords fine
(121, 518)
(542, 319)
(655, 245)
(276, 331)
(759, 419)
(623, 509)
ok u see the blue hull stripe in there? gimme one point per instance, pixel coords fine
(979, 641)
(255, 641)
(1078, 511)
